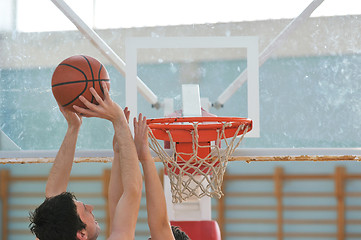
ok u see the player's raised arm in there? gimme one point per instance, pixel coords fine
(115, 188)
(60, 172)
(158, 222)
(126, 212)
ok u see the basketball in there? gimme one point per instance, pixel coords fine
(74, 77)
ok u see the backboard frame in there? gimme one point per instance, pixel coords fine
(250, 43)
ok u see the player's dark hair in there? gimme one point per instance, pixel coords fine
(56, 218)
(179, 234)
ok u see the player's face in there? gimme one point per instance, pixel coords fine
(86, 215)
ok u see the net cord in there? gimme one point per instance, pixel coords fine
(191, 175)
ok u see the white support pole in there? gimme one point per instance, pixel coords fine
(193, 209)
(7, 144)
(242, 78)
(104, 49)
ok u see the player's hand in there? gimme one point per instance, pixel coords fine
(141, 138)
(107, 108)
(73, 119)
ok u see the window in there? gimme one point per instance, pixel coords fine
(43, 15)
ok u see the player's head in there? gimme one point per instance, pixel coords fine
(63, 218)
(179, 234)
(92, 228)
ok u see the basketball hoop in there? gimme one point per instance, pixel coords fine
(198, 164)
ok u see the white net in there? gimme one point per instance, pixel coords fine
(194, 176)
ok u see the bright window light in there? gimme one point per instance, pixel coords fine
(140, 13)
(42, 15)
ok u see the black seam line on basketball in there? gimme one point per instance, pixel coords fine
(91, 70)
(80, 81)
(107, 80)
(86, 83)
(100, 85)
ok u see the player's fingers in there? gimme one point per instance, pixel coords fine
(144, 121)
(142, 125)
(136, 123)
(96, 96)
(106, 91)
(145, 126)
(83, 112)
(141, 121)
(88, 104)
(126, 113)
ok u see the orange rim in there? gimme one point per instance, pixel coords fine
(169, 123)
(207, 131)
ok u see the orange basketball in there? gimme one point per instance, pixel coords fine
(74, 76)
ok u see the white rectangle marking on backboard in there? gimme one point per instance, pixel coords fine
(191, 100)
(248, 42)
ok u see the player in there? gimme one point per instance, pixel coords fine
(158, 222)
(61, 216)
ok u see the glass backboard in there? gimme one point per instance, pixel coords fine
(305, 95)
